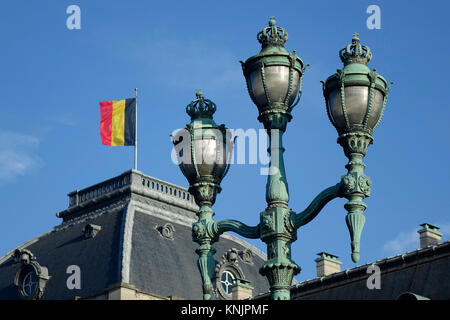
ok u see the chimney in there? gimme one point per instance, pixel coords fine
(327, 263)
(241, 290)
(429, 235)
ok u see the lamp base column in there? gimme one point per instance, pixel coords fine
(206, 266)
(278, 235)
(203, 233)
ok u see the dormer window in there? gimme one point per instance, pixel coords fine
(31, 278)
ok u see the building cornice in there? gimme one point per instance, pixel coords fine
(125, 184)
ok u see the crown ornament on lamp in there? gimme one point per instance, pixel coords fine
(272, 35)
(355, 52)
(201, 107)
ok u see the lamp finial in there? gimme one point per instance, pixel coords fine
(272, 35)
(355, 52)
(200, 107)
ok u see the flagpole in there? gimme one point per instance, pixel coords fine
(135, 131)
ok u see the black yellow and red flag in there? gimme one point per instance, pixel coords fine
(118, 122)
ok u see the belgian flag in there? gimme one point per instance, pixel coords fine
(118, 122)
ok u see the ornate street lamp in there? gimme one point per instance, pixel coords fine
(356, 98)
(204, 161)
(274, 76)
(203, 150)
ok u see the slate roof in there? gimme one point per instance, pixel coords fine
(423, 272)
(131, 210)
(56, 250)
(181, 277)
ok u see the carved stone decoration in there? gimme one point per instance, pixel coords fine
(91, 230)
(246, 256)
(226, 268)
(31, 278)
(23, 256)
(231, 255)
(166, 231)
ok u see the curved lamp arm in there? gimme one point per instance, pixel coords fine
(238, 227)
(304, 217)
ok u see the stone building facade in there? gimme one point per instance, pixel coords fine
(128, 238)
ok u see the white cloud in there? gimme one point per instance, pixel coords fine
(17, 155)
(405, 241)
(408, 241)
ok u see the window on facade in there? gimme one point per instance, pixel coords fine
(226, 280)
(30, 283)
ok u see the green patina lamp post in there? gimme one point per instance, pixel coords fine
(203, 150)
(355, 99)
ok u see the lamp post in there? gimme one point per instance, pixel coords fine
(355, 99)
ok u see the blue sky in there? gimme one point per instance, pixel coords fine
(53, 78)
